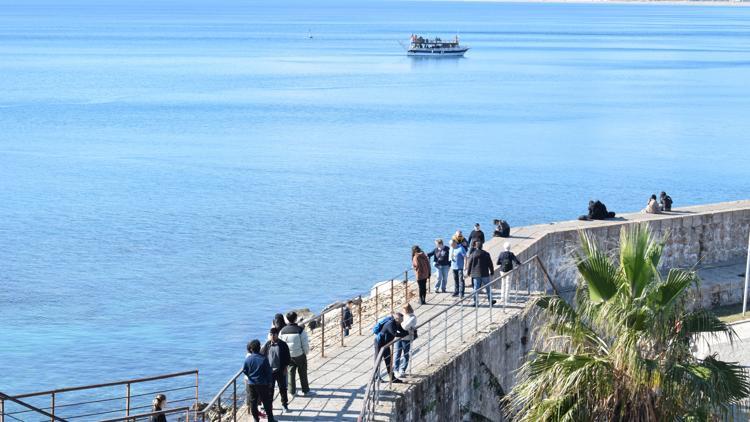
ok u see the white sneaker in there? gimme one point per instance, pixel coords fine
(397, 374)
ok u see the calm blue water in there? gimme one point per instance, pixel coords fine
(172, 173)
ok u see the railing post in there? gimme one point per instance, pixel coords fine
(462, 322)
(342, 326)
(489, 286)
(391, 295)
(218, 406)
(2, 410)
(196, 391)
(429, 340)
(476, 315)
(445, 333)
(377, 304)
(52, 407)
(323, 335)
(406, 287)
(234, 400)
(359, 310)
(127, 399)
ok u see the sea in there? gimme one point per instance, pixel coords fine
(175, 172)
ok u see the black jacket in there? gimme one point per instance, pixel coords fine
(390, 331)
(480, 264)
(284, 355)
(441, 256)
(477, 235)
(505, 261)
(598, 211)
(348, 319)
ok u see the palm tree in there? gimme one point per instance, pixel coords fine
(622, 352)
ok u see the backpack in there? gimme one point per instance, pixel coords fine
(506, 262)
(379, 326)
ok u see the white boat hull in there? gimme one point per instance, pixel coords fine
(437, 52)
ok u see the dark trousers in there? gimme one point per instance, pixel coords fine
(298, 363)
(422, 290)
(279, 378)
(263, 394)
(386, 355)
(458, 282)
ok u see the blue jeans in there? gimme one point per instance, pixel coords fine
(478, 283)
(402, 347)
(442, 278)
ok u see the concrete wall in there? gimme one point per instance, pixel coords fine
(469, 386)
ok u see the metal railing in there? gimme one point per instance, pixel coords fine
(226, 404)
(454, 321)
(179, 411)
(95, 401)
(37, 411)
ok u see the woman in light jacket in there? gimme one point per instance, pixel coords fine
(403, 346)
(653, 206)
(421, 265)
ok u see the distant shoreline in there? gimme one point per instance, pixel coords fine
(743, 3)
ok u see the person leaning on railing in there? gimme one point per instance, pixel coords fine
(386, 330)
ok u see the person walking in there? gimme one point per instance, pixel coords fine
(158, 405)
(457, 255)
(386, 330)
(505, 264)
(299, 346)
(480, 269)
(259, 381)
(421, 265)
(441, 257)
(347, 319)
(476, 235)
(277, 353)
(403, 346)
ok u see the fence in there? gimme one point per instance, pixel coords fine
(101, 401)
(459, 320)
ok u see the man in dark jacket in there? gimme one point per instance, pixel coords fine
(259, 381)
(505, 264)
(476, 235)
(441, 257)
(389, 331)
(347, 319)
(277, 353)
(480, 269)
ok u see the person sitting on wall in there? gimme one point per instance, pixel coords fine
(665, 201)
(653, 206)
(597, 211)
(502, 228)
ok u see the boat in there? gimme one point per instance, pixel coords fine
(436, 47)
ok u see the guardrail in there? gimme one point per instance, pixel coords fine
(372, 391)
(4, 397)
(147, 416)
(96, 400)
(387, 295)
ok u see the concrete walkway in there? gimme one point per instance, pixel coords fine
(338, 381)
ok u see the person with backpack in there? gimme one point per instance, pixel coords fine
(421, 265)
(505, 264)
(386, 330)
(502, 229)
(277, 353)
(665, 201)
(457, 255)
(259, 382)
(403, 346)
(441, 257)
(480, 269)
(299, 346)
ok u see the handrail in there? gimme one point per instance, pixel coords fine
(319, 317)
(4, 397)
(372, 390)
(143, 415)
(107, 384)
